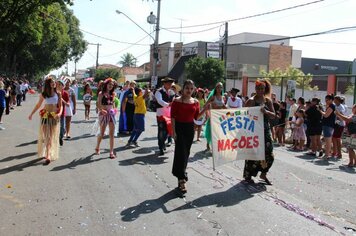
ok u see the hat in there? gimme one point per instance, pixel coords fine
(235, 90)
(61, 82)
(176, 86)
(167, 79)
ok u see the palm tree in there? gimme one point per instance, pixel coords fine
(127, 60)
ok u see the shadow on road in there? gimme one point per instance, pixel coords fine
(21, 156)
(201, 155)
(77, 162)
(26, 144)
(151, 159)
(230, 197)
(83, 121)
(149, 138)
(148, 206)
(343, 168)
(22, 166)
(81, 137)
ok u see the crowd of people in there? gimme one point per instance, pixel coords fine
(13, 92)
(183, 114)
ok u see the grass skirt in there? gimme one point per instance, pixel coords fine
(48, 138)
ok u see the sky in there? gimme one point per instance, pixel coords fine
(99, 17)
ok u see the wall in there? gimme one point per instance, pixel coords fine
(280, 57)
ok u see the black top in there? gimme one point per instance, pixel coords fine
(314, 117)
(282, 116)
(107, 99)
(330, 120)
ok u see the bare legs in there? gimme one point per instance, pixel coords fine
(111, 136)
(68, 120)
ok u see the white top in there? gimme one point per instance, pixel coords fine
(341, 108)
(293, 108)
(235, 102)
(52, 100)
(165, 110)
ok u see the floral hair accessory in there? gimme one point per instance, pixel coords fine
(258, 83)
(108, 80)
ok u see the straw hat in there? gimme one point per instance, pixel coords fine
(167, 79)
(176, 86)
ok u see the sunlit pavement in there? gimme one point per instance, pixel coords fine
(134, 194)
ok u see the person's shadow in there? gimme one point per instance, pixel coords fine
(77, 162)
(230, 197)
(148, 206)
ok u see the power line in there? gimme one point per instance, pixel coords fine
(332, 31)
(192, 32)
(248, 17)
(312, 41)
(122, 50)
(114, 40)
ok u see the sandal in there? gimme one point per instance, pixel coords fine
(47, 161)
(264, 177)
(181, 186)
(112, 155)
(97, 151)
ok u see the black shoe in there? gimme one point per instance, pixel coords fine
(161, 152)
(60, 142)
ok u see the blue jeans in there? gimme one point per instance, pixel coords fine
(139, 127)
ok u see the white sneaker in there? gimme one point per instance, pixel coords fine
(2, 128)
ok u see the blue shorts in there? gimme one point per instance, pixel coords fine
(328, 131)
(139, 122)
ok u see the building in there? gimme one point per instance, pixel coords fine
(321, 68)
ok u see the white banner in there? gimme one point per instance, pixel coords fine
(237, 134)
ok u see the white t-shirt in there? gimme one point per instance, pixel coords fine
(235, 102)
(341, 108)
(87, 98)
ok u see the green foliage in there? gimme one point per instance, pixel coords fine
(102, 74)
(38, 36)
(205, 72)
(127, 60)
(350, 89)
(302, 80)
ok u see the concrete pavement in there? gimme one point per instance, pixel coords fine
(84, 194)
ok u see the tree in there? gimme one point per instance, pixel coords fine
(205, 72)
(128, 60)
(102, 74)
(42, 37)
(291, 73)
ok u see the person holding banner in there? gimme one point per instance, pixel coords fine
(215, 101)
(184, 111)
(262, 98)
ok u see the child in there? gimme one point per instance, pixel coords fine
(87, 97)
(139, 116)
(351, 129)
(202, 101)
(282, 115)
(299, 131)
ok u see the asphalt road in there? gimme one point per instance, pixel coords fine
(84, 194)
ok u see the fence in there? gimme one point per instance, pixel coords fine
(318, 86)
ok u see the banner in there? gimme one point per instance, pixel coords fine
(237, 134)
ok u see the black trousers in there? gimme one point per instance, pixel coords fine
(7, 100)
(130, 110)
(185, 136)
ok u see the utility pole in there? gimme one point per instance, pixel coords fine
(225, 49)
(155, 47)
(75, 68)
(97, 53)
